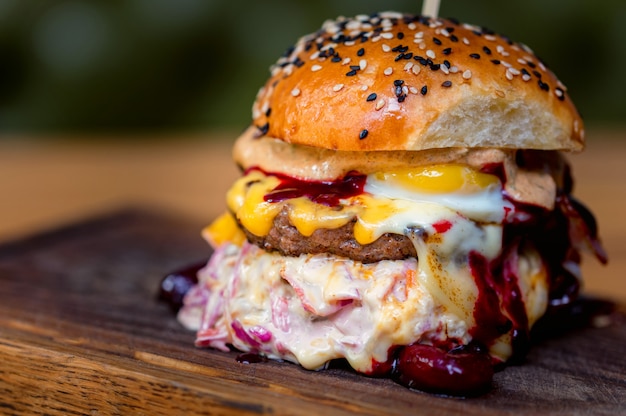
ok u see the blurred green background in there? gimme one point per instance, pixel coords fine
(73, 66)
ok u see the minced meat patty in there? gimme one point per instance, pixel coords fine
(286, 239)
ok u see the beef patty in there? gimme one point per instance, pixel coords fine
(287, 240)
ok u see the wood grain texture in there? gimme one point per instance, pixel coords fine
(81, 332)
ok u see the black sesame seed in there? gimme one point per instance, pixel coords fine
(371, 97)
(268, 112)
(355, 67)
(363, 134)
(351, 73)
(531, 64)
(421, 60)
(436, 41)
(400, 48)
(474, 55)
(336, 58)
(398, 90)
(487, 50)
(525, 72)
(537, 74)
(450, 29)
(401, 98)
(447, 51)
(495, 61)
(398, 82)
(400, 56)
(543, 85)
(435, 67)
(424, 90)
(447, 63)
(400, 35)
(408, 55)
(477, 32)
(289, 51)
(454, 38)
(360, 52)
(264, 128)
(447, 84)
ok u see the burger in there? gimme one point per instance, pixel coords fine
(404, 206)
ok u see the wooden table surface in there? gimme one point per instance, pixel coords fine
(81, 331)
(47, 183)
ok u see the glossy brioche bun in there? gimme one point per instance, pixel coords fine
(401, 82)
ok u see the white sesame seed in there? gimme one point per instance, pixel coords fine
(387, 35)
(388, 71)
(408, 66)
(422, 46)
(295, 92)
(275, 70)
(287, 70)
(490, 38)
(386, 48)
(506, 64)
(380, 104)
(526, 77)
(316, 68)
(514, 71)
(345, 61)
(412, 26)
(500, 49)
(416, 69)
(521, 61)
(337, 87)
(413, 90)
(509, 76)
(376, 38)
(405, 89)
(363, 64)
(558, 93)
(353, 24)
(466, 41)
(419, 35)
(454, 69)
(349, 43)
(445, 32)
(314, 55)
(431, 54)
(467, 74)
(364, 87)
(542, 66)
(444, 69)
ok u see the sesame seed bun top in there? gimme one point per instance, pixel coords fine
(393, 81)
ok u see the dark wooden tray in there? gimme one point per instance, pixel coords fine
(81, 332)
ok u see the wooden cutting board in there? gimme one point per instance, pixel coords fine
(82, 332)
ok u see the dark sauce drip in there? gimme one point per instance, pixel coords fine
(251, 358)
(328, 193)
(175, 285)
